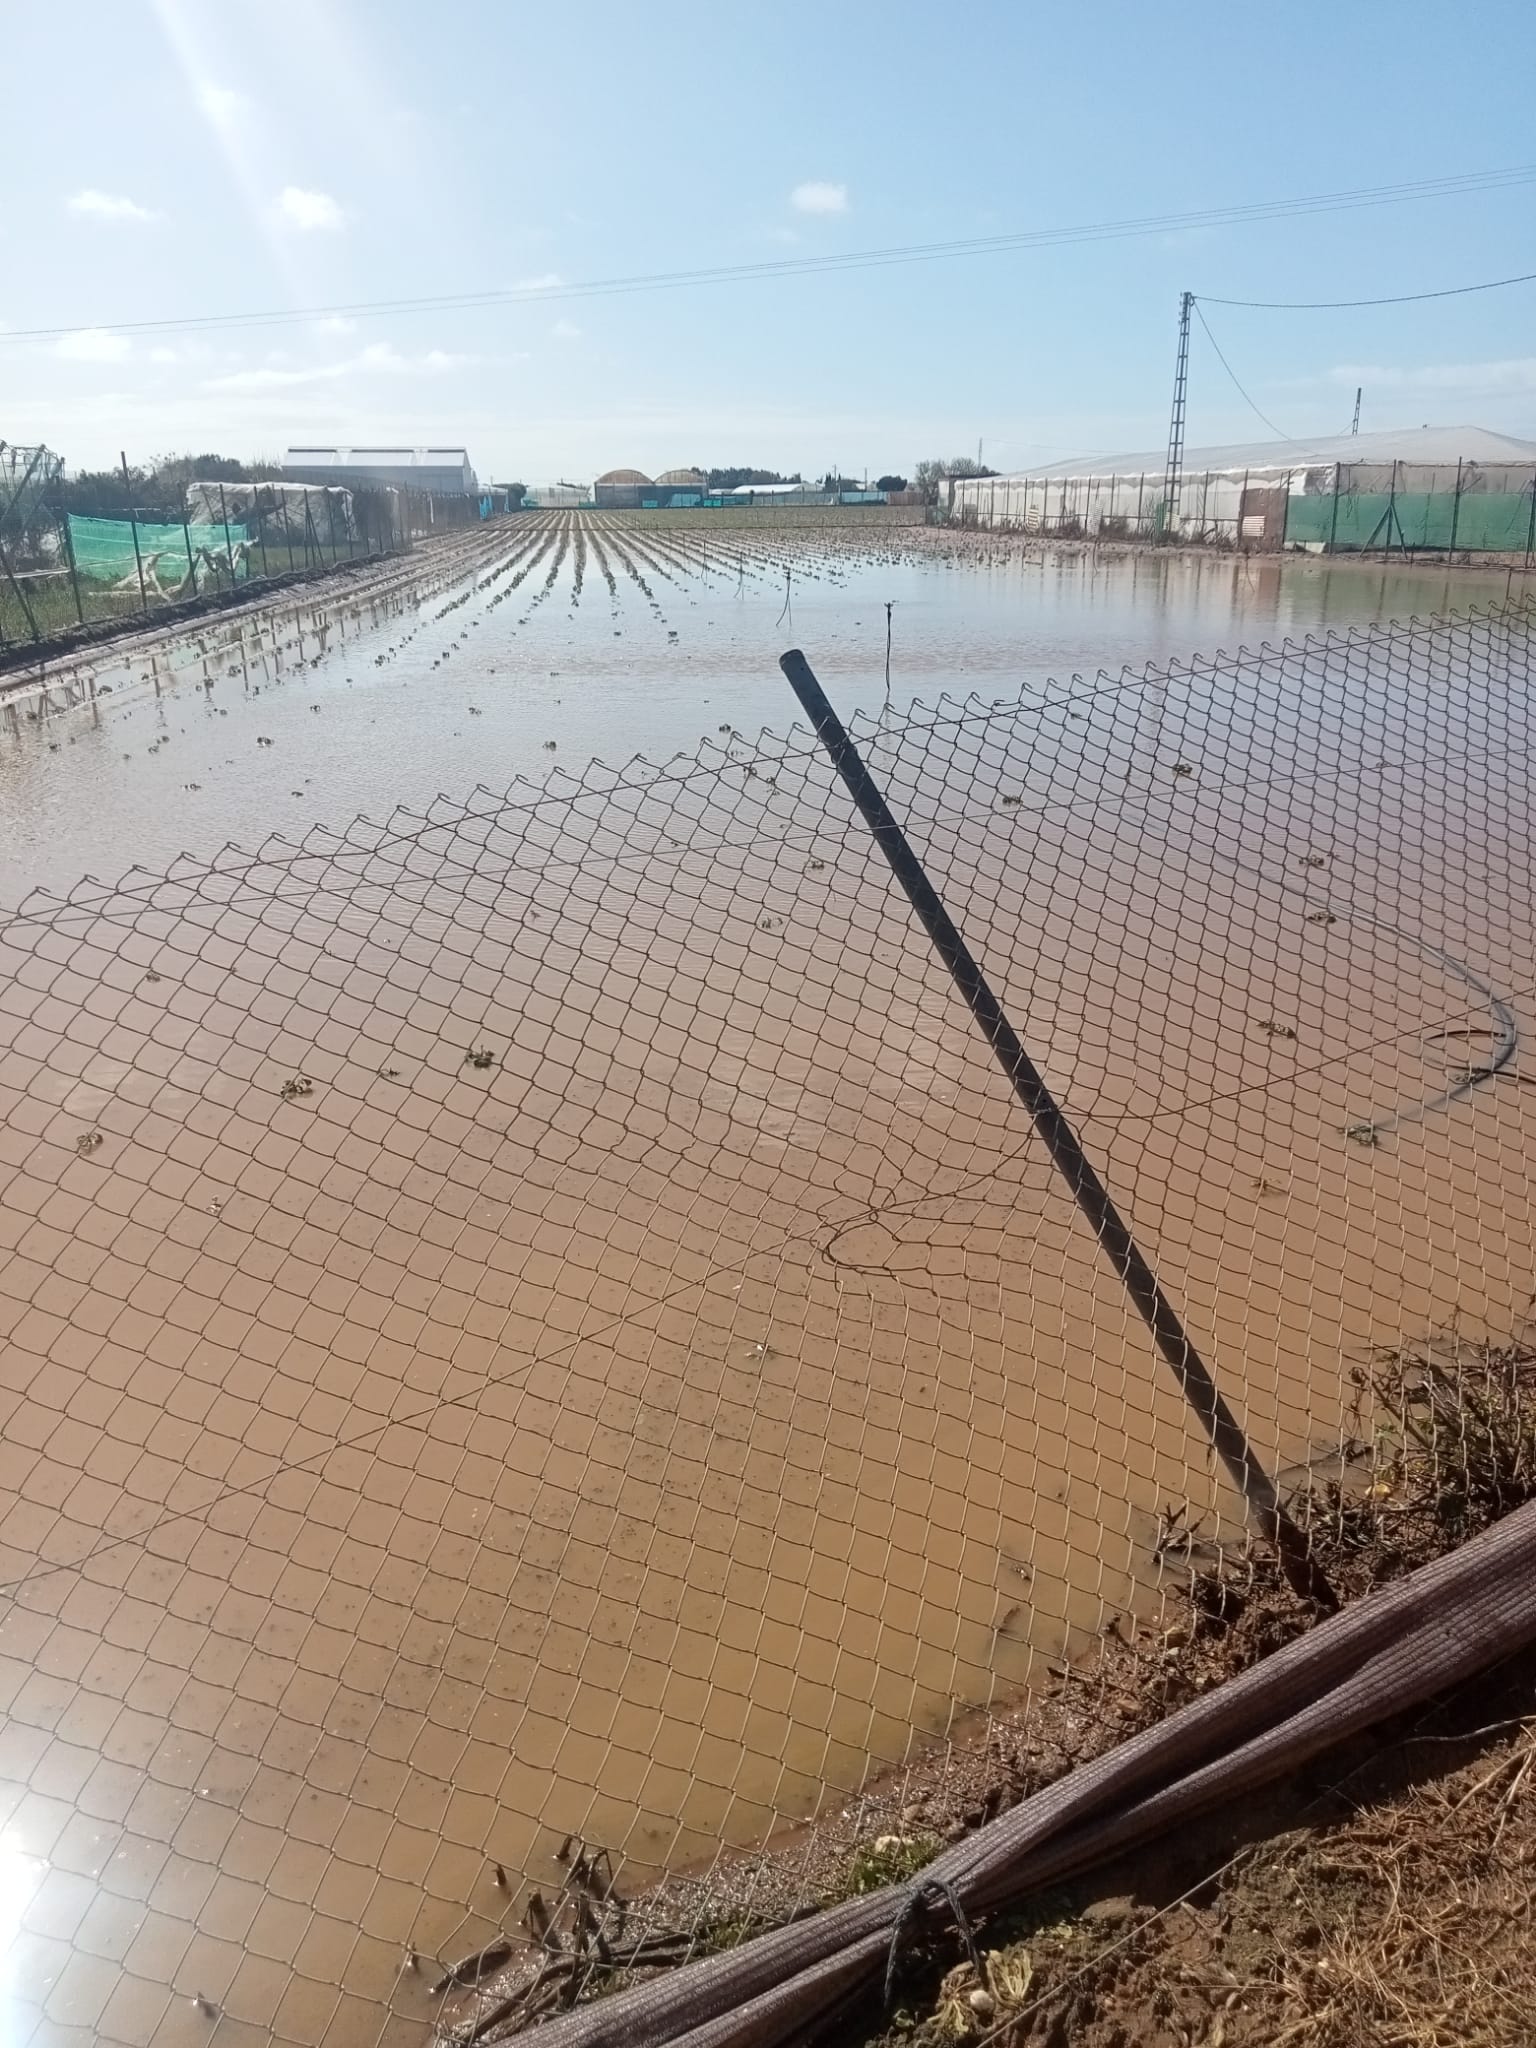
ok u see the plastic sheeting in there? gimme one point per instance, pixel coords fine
(104, 548)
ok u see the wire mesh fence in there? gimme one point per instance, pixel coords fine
(66, 573)
(1332, 507)
(538, 1328)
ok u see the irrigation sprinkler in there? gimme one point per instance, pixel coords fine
(1217, 1420)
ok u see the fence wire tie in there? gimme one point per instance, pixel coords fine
(924, 1889)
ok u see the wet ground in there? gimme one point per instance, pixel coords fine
(477, 663)
(538, 1317)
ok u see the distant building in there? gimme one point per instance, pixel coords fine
(446, 472)
(559, 497)
(622, 489)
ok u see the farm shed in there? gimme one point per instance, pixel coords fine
(445, 472)
(1461, 488)
(620, 489)
(556, 497)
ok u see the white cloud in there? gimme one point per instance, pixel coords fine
(785, 235)
(566, 330)
(221, 105)
(309, 212)
(546, 281)
(379, 358)
(113, 206)
(92, 345)
(335, 323)
(164, 355)
(816, 196)
(275, 380)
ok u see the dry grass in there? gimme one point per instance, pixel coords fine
(1420, 1936)
(1384, 1901)
(1399, 1918)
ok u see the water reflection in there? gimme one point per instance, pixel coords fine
(304, 711)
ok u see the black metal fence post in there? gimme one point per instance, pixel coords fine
(133, 522)
(1088, 1191)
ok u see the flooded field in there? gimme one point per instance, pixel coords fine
(472, 664)
(536, 1316)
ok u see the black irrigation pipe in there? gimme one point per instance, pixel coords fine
(1088, 1191)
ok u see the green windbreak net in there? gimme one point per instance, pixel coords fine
(1484, 521)
(104, 548)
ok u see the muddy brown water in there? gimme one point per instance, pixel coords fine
(652, 1431)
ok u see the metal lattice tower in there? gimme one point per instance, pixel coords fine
(1173, 473)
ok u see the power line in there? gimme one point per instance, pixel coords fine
(1462, 185)
(1215, 344)
(1452, 291)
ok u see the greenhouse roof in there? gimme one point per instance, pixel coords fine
(1402, 444)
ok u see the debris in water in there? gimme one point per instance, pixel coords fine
(472, 1968)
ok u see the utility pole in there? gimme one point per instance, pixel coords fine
(1355, 423)
(1173, 473)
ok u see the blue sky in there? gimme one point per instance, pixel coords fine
(173, 160)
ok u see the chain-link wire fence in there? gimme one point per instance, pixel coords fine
(539, 1328)
(70, 574)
